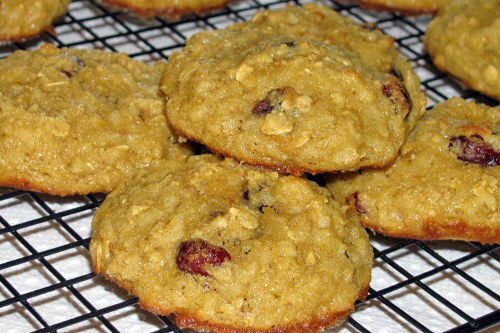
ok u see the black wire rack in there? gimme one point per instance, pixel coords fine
(46, 280)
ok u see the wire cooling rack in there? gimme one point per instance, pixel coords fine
(46, 280)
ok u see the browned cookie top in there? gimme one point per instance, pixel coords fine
(371, 44)
(80, 121)
(404, 7)
(170, 9)
(25, 19)
(463, 40)
(444, 185)
(291, 104)
(231, 248)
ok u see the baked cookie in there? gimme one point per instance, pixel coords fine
(404, 7)
(79, 121)
(170, 9)
(444, 185)
(463, 40)
(370, 43)
(290, 104)
(26, 19)
(231, 248)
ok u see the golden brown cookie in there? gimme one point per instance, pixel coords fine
(80, 121)
(171, 9)
(292, 104)
(371, 44)
(323, 23)
(231, 248)
(404, 7)
(444, 185)
(26, 19)
(463, 40)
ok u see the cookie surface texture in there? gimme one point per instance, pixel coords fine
(79, 121)
(404, 7)
(171, 9)
(294, 105)
(463, 40)
(373, 46)
(230, 248)
(26, 19)
(444, 185)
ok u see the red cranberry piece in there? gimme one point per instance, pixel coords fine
(272, 101)
(195, 254)
(246, 194)
(262, 107)
(397, 93)
(353, 200)
(474, 150)
(67, 73)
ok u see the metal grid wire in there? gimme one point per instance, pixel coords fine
(46, 279)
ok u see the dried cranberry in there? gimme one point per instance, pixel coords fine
(353, 200)
(67, 73)
(474, 150)
(262, 107)
(272, 101)
(194, 255)
(397, 93)
(386, 90)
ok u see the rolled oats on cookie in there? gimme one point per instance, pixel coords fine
(232, 248)
(77, 121)
(292, 104)
(324, 24)
(463, 41)
(444, 185)
(169, 9)
(404, 7)
(26, 19)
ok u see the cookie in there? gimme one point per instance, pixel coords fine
(25, 19)
(323, 23)
(170, 9)
(462, 40)
(444, 185)
(291, 104)
(231, 248)
(404, 7)
(370, 43)
(80, 121)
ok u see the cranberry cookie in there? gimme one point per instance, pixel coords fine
(231, 248)
(170, 9)
(463, 40)
(370, 43)
(444, 185)
(26, 19)
(80, 121)
(291, 104)
(404, 7)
